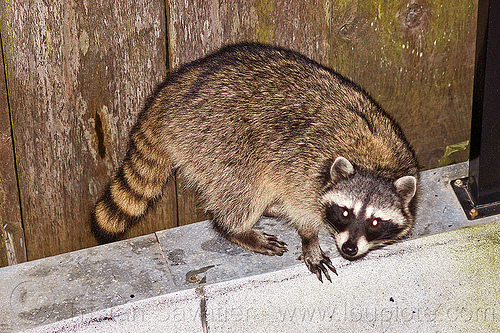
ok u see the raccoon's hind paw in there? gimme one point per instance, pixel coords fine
(317, 265)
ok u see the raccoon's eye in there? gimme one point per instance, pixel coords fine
(345, 213)
(375, 223)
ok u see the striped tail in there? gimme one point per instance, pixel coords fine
(137, 184)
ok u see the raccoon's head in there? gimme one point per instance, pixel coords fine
(364, 211)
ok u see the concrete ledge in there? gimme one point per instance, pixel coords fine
(443, 283)
(190, 279)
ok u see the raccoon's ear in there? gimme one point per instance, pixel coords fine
(341, 169)
(406, 187)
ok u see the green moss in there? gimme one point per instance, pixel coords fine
(266, 28)
(478, 261)
(444, 30)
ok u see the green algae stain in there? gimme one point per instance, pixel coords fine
(477, 260)
(266, 27)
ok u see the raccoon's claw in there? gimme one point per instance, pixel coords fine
(319, 267)
(325, 271)
(259, 242)
(326, 260)
(274, 245)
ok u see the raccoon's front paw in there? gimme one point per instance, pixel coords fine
(316, 262)
(259, 242)
(272, 245)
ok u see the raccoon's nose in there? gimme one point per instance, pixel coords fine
(349, 249)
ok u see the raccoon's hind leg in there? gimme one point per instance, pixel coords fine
(237, 228)
(137, 184)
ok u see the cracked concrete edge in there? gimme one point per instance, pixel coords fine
(174, 312)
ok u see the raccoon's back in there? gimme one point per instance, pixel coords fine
(258, 106)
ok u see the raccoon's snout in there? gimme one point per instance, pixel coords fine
(349, 249)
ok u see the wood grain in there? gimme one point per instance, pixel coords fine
(12, 242)
(416, 59)
(78, 74)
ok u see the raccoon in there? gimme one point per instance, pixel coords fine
(262, 130)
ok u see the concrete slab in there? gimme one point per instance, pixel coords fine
(197, 254)
(442, 283)
(72, 284)
(174, 312)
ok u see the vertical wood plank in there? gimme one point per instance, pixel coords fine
(78, 74)
(199, 27)
(12, 246)
(414, 57)
(194, 29)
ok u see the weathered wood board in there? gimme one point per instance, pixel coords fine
(12, 243)
(78, 74)
(414, 57)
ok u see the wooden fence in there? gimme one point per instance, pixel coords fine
(78, 72)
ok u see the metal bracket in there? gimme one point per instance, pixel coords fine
(473, 211)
